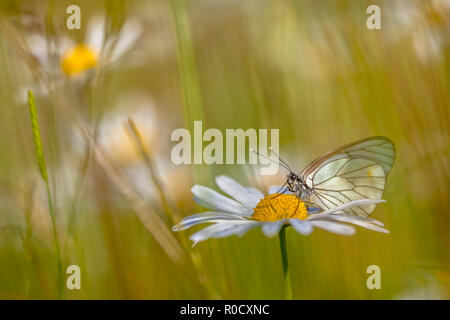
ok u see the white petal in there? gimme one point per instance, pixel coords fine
(301, 226)
(38, 47)
(334, 227)
(128, 36)
(271, 229)
(237, 191)
(95, 32)
(205, 217)
(279, 189)
(255, 192)
(350, 204)
(345, 216)
(204, 204)
(368, 224)
(214, 200)
(223, 229)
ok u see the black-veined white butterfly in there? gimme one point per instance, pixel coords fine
(355, 171)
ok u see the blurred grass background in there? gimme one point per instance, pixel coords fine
(311, 69)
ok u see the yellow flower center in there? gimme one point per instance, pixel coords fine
(78, 59)
(277, 206)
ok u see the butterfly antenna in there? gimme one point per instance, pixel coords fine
(278, 191)
(279, 158)
(282, 162)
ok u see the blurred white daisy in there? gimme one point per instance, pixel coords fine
(248, 208)
(114, 138)
(68, 58)
(63, 60)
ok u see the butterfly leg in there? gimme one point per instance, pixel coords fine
(278, 191)
(298, 204)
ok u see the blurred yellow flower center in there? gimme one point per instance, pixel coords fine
(78, 59)
(278, 207)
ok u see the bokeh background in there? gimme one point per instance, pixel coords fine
(309, 68)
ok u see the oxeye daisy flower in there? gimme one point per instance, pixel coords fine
(73, 59)
(248, 208)
(62, 59)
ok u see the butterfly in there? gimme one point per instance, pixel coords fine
(354, 171)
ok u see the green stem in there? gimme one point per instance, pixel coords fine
(61, 292)
(284, 259)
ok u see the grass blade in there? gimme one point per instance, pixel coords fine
(43, 171)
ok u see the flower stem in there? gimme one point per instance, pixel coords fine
(284, 259)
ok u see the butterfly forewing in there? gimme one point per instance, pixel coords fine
(355, 171)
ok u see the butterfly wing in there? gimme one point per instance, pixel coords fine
(354, 171)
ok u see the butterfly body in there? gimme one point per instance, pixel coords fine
(296, 184)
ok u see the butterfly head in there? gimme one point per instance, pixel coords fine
(292, 179)
(296, 184)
